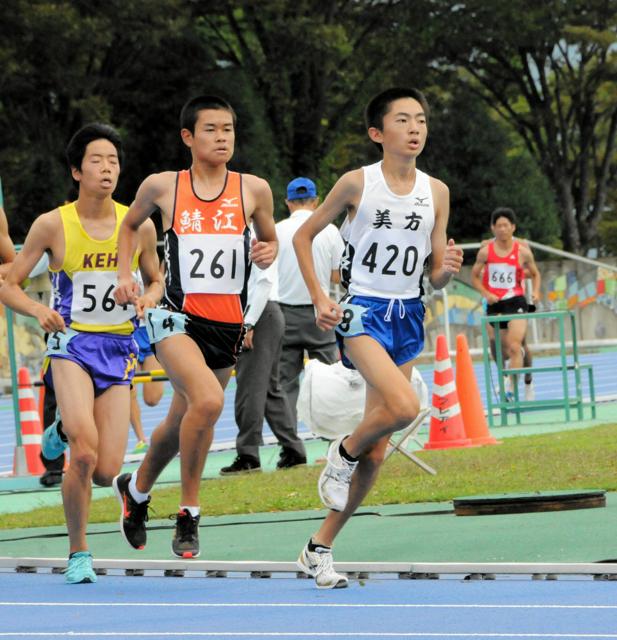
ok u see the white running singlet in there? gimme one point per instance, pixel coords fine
(389, 239)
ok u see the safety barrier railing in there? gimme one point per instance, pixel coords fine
(568, 363)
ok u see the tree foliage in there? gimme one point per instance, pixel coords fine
(472, 152)
(310, 61)
(299, 75)
(549, 70)
(68, 63)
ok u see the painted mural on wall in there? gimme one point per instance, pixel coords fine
(567, 291)
(590, 292)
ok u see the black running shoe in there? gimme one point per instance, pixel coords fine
(134, 515)
(242, 464)
(186, 539)
(51, 478)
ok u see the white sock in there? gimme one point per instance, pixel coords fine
(134, 491)
(194, 511)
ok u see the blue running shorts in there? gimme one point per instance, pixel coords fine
(143, 342)
(397, 325)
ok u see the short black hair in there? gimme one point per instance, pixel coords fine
(303, 201)
(188, 115)
(76, 148)
(503, 212)
(379, 105)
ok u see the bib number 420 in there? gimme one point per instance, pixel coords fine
(392, 264)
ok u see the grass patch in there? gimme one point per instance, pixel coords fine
(577, 459)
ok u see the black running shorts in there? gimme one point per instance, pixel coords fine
(517, 304)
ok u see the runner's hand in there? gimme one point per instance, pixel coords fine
(50, 320)
(127, 291)
(453, 258)
(327, 314)
(142, 303)
(263, 253)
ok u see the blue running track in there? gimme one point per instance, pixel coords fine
(38, 606)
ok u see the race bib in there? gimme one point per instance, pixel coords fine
(93, 299)
(501, 276)
(58, 341)
(211, 263)
(162, 323)
(351, 323)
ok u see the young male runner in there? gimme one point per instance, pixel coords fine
(196, 334)
(498, 274)
(397, 217)
(90, 346)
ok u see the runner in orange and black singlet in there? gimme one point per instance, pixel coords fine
(197, 332)
(207, 266)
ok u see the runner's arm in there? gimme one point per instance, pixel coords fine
(7, 249)
(446, 257)
(149, 268)
(476, 271)
(265, 246)
(530, 265)
(37, 242)
(343, 195)
(148, 194)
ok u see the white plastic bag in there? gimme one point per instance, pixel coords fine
(331, 398)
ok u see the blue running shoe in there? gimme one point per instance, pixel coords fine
(79, 569)
(54, 442)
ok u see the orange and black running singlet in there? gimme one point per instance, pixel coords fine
(207, 251)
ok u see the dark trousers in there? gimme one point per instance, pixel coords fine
(259, 393)
(302, 334)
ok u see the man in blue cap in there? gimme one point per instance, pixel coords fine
(301, 332)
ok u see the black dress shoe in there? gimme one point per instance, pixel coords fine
(242, 464)
(289, 458)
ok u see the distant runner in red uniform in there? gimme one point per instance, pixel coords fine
(498, 274)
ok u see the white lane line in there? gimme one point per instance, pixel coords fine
(298, 634)
(303, 605)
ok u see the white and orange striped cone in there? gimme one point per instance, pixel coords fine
(30, 424)
(447, 429)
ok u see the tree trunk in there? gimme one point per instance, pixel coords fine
(569, 228)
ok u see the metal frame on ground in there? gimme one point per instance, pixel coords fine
(264, 569)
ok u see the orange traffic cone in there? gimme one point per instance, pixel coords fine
(446, 428)
(31, 430)
(472, 410)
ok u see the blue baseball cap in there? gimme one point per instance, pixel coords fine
(300, 188)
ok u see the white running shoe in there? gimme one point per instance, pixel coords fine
(318, 564)
(530, 392)
(509, 389)
(508, 385)
(334, 481)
